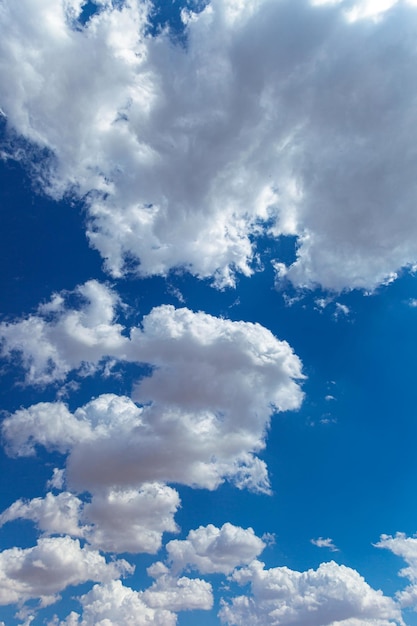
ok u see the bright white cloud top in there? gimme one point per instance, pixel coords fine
(50, 566)
(273, 136)
(333, 595)
(286, 118)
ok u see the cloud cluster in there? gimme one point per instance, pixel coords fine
(114, 603)
(291, 118)
(207, 549)
(200, 418)
(332, 595)
(288, 118)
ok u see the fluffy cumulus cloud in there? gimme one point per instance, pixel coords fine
(177, 594)
(214, 550)
(332, 595)
(112, 521)
(112, 604)
(132, 520)
(61, 337)
(53, 514)
(279, 118)
(405, 547)
(284, 117)
(198, 357)
(214, 385)
(125, 449)
(51, 566)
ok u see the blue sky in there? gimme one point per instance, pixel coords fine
(208, 320)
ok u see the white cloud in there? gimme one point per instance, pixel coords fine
(202, 359)
(209, 549)
(179, 594)
(209, 399)
(51, 566)
(341, 309)
(198, 357)
(321, 542)
(60, 338)
(114, 604)
(129, 450)
(113, 521)
(366, 9)
(283, 113)
(53, 514)
(46, 424)
(332, 595)
(132, 520)
(57, 480)
(405, 547)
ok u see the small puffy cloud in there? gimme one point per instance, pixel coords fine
(325, 543)
(112, 521)
(209, 399)
(51, 566)
(332, 595)
(60, 338)
(214, 550)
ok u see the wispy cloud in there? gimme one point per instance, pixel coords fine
(321, 542)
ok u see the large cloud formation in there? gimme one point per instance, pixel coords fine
(209, 398)
(332, 595)
(114, 444)
(289, 117)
